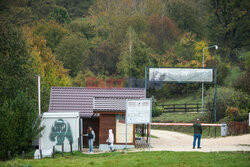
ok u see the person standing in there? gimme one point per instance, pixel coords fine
(197, 133)
(91, 138)
(110, 140)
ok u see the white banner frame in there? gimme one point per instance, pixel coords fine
(185, 75)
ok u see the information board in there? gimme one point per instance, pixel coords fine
(181, 74)
(120, 132)
(138, 111)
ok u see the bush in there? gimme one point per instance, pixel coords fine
(234, 114)
(18, 124)
(226, 97)
(156, 111)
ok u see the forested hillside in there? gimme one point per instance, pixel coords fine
(66, 41)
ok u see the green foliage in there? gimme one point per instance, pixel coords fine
(18, 114)
(226, 97)
(135, 55)
(234, 114)
(44, 62)
(82, 26)
(14, 67)
(60, 15)
(76, 8)
(229, 26)
(80, 79)
(18, 124)
(52, 33)
(186, 14)
(156, 111)
(73, 51)
(241, 82)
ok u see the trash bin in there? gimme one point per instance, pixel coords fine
(224, 129)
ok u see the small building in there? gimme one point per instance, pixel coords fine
(100, 108)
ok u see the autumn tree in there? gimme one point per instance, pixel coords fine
(134, 56)
(229, 26)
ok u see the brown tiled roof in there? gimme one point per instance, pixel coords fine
(81, 99)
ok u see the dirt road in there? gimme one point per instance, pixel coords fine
(174, 141)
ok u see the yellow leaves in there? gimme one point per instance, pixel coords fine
(198, 47)
(188, 39)
(44, 61)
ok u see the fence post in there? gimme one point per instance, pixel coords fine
(53, 153)
(197, 107)
(22, 154)
(71, 147)
(62, 149)
(9, 155)
(174, 107)
(41, 154)
(79, 147)
(185, 107)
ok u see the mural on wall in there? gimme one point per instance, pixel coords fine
(60, 129)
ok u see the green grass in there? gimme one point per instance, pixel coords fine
(177, 117)
(137, 159)
(194, 98)
(185, 118)
(233, 75)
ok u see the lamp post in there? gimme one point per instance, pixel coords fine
(202, 94)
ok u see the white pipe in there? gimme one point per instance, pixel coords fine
(184, 124)
(39, 110)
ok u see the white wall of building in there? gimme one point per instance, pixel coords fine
(60, 128)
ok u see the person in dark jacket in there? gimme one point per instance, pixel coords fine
(91, 138)
(197, 133)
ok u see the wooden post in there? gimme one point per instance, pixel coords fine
(53, 153)
(185, 107)
(71, 147)
(147, 132)
(62, 149)
(142, 130)
(22, 154)
(9, 155)
(174, 107)
(197, 107)
(41, 154)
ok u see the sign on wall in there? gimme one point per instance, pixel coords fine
(180, 75)
(60, 128)
(138, 111)
(120, 132)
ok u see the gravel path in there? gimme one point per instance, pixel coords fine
(174, 141)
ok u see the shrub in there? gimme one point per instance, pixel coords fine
(156, 111)
(226, 97)
(234, 114)
(18, 124)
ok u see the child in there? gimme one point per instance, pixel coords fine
(110, 140)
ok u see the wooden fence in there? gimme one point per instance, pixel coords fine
(190, 107)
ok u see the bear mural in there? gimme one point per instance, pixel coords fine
(60, 129)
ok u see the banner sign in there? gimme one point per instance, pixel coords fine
(180, 75)
(138, 111)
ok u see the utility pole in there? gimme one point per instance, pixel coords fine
(39, 110)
